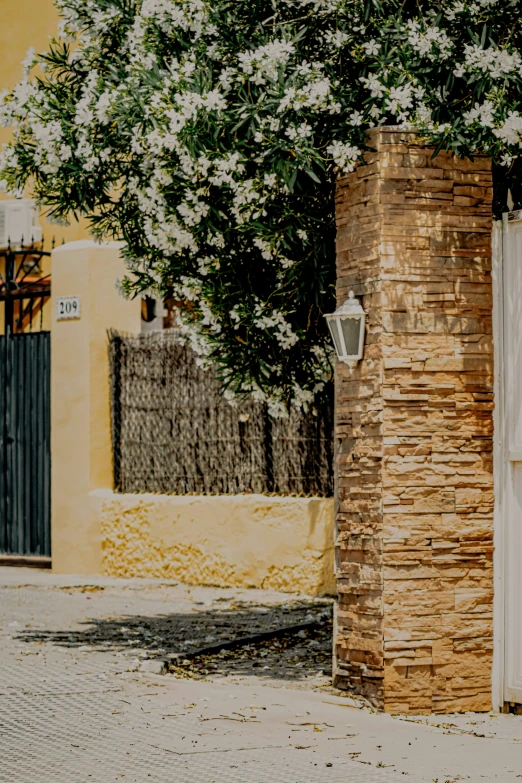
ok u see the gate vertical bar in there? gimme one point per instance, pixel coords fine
(31, 444)
(8, 327)
(46, 441)
(8, 305)
(9, 513)
(34, 446)
(3, 441)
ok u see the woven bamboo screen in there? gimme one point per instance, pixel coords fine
(174, 433)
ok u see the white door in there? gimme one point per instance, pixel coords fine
(511, 438)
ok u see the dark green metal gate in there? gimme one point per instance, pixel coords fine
(25, 444)
(25, 375)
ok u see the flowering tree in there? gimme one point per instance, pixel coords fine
(207, 135)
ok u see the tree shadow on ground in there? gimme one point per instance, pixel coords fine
(292, 641)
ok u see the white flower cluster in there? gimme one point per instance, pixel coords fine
(315, 93)
(277, 323)
(344, 155)
(400, 101)
(497, 63)
(467, 9)
(510, 130)
(265, 62)
(431, 42)
(482, 113)
(190, 15)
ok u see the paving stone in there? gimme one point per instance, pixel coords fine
(73, 713)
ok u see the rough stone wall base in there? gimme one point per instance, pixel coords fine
(275, 543)
(414, 431)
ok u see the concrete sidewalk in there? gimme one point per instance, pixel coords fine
(76, 705)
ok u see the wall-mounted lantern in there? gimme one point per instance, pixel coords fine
(347, 330)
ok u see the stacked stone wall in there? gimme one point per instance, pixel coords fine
(414, 431)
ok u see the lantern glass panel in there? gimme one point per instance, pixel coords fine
(334, 331)
(351, 331)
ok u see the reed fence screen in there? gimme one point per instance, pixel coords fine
(173, 433)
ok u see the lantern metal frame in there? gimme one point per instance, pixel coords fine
(351, 309)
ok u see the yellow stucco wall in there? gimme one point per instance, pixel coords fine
(26, 23)
(81, 454)
(277, 543)
(242, 540)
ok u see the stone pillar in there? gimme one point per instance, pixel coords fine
(81, 453)
(414, 431)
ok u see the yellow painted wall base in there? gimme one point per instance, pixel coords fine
(276, 543)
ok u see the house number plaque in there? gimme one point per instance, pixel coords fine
(67, 308)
